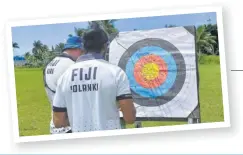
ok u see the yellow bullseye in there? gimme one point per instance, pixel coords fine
(150, 71)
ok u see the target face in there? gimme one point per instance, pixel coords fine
(162, 69)
(155, 69)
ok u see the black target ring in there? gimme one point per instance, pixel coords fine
(180, 65)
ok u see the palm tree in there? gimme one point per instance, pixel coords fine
(52, 49)
(78, 32)
(204, 41)
(107, 25)
(45, 48)
(214, 32)
(28, 58)
(40, 52)
(61, 46)
(37, 45)
(32, 61)
(58, 48)
(27, 55)
(45, 55)
(15, 45)
(37, 49)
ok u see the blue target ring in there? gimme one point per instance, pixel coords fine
(171, 66)
(143, 54)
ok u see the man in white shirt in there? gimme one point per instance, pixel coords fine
(52, 72)
(90, 93)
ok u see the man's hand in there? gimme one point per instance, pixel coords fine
(60, 119)
(128, 110)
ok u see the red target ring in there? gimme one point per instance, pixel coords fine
(150, 71)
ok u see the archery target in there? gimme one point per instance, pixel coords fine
(152, 67)
(161, 67)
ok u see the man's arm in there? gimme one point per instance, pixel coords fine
(124, 98)
(128, 110)
(60, 118)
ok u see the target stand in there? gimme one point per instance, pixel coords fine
(162, 68)
(193, 118)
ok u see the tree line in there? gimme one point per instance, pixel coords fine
(41, 54)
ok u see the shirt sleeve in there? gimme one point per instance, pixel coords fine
(59, 104)
(123, 87)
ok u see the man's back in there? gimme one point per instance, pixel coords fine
(53, 71)
(51, 74)
(91, 89)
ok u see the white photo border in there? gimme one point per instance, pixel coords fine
(162, 12)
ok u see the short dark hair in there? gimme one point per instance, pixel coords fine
(94, 40)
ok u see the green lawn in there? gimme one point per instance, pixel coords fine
(34, 109)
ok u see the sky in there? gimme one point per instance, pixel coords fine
(53, 34)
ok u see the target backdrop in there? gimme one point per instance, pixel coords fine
(162, 70)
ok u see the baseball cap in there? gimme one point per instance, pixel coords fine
(73, 42)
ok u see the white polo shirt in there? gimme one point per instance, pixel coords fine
(51, 74)
(88, 92)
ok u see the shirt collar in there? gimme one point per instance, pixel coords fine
(90, 56)
(66, 55)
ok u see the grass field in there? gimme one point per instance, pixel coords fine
(34, 109)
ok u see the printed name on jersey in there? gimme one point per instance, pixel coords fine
(50, 71)
(53, 63)
(82, 76)
(85, 87)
